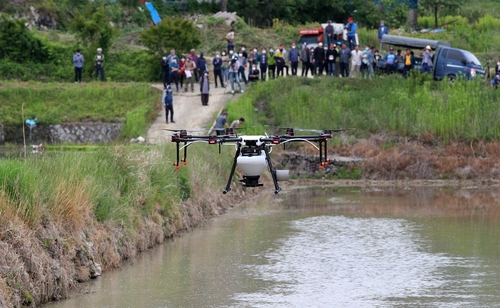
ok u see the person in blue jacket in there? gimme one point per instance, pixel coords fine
(168, 103)
(293, 57)
(495, 81)
(78, 61)
(381, 31)
(351, 28)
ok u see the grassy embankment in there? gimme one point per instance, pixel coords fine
(134, 104)
(122, 199)
(404, 128)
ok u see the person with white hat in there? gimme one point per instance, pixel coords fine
(99, 64)
(426, 59)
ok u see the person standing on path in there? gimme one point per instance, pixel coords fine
(263, 64)
(99, 64)
(225, 67)
(331, 57)
(204, 88)
(168, 104)
(293, 57)
(319, 59)
(382, 30)
(304, 57)
(230, 40)
(174, 74)
(217, 63)
(329, 33)
(78, 61)
(272, 63)
(221, 123)
(243, 64)
(356, 61)
(189, 69)
(165, 70)
(344, 56)
(201, 66)
(234, 67)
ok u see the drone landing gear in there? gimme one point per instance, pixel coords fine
(228, 185)
(277, 188)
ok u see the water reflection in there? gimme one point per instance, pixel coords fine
(324, 247)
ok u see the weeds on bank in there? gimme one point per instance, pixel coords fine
(464, 110)
(120, 184)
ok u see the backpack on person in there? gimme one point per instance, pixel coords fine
(168, 99)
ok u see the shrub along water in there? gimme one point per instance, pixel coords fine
(123, 199)
(464, 110)
(136, 104)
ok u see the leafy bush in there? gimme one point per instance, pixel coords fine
(179, 34)
(18, 43)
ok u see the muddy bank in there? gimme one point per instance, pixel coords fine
(383, 158)
(45, 263)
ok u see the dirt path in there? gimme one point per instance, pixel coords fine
(188, 112)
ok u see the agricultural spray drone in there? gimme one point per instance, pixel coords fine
(253, 152)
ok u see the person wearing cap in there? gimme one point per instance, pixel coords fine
(426, 56)
(204, 88)
(99, 64)
(355, 61)
(221, 123)
(263, 63)
(351, 28)
(293, 57)
(168, 103)
(78, 62)
(329, 32)
(382, 29)
(391, 60)
(165, 70)
(234, 66)
(304, 57)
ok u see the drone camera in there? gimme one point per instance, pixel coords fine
(251, 181)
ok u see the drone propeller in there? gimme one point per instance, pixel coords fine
(184, 130)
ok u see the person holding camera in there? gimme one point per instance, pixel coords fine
(99, 64)
(78, 61)
(234, 67)
(426, 59)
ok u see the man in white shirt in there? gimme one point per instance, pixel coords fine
(355, 61)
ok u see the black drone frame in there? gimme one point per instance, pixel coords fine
(251, 146)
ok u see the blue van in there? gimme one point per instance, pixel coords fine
(450, 63)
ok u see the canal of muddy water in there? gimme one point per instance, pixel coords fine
(323, 247)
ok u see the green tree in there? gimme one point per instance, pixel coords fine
(18, 43)
(178, 33)
(435, 5)
(92, 28)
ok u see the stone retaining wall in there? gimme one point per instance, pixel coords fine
(79, 133)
